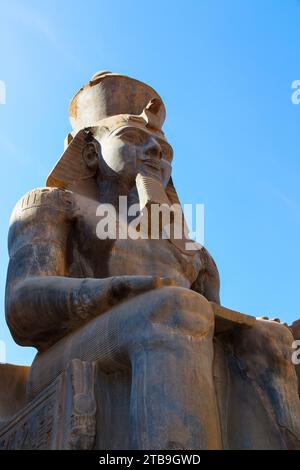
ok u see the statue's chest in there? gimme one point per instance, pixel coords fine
(155, 258)
(96, 257)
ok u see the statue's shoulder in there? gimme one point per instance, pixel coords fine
(40, 215)
(41, 200)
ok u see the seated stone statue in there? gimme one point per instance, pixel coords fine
(173, 369)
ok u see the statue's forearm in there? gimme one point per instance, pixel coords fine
(41, 310)
(50, 306)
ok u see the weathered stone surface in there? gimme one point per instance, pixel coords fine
(257, 387)
(131, 330)
(13, 383)
(295, 329)
(227, 319)
(62, 416)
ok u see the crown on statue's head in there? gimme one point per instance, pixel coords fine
(110, 94)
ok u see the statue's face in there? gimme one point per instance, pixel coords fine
(131, 150)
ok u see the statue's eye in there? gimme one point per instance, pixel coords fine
(132, 137)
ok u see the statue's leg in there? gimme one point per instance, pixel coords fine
(165, 338)
(264, 353)
(169, 342)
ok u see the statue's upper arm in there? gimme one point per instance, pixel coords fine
(38, 234)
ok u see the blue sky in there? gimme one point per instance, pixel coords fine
(224, 69)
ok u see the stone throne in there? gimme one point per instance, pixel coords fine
(134, 349)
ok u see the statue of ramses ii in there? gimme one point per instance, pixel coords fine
(134, 349)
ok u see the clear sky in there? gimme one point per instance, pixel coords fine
(224, 69)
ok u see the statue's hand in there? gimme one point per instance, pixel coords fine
(96, 296)
(128, 286)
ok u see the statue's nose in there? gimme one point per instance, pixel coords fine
(153, 149)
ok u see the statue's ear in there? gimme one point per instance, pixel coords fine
(90, 154)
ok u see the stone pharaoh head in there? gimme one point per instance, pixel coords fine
(117, 123)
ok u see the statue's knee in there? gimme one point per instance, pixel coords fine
(276, 334)
(180, 310)
(266, 344)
